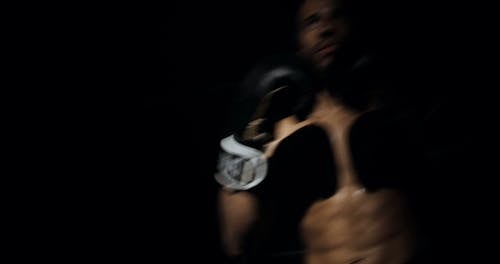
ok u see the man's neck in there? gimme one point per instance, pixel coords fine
(330, 110)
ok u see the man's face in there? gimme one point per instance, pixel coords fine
(322, 31)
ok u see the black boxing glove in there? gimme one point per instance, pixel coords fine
(276, 88)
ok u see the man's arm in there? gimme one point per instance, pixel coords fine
(237, 214)
(238, 209)
(273, 98)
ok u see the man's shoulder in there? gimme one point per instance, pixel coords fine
(304, 136)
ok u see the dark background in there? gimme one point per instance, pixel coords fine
(206, 47)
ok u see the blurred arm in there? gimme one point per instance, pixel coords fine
(238, 212)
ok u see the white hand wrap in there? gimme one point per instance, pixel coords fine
(240, 167)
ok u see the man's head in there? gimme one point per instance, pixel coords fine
(323, 30)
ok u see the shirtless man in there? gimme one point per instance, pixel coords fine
(355, 224)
